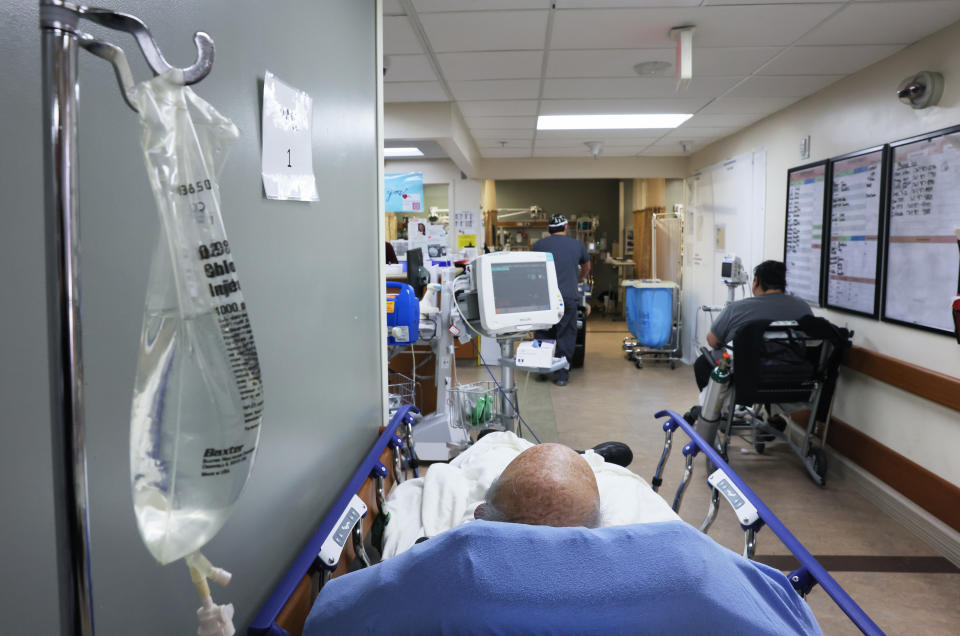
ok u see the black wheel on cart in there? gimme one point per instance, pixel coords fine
(638, 364)
(673, 364)
(819, 463)
(759, 447)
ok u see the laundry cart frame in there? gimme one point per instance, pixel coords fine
(660, 234)
(672, 351)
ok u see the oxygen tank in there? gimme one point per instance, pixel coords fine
(716, 395)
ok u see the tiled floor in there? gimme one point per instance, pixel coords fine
(609, 399)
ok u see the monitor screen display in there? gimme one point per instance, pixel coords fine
(726, 269)
(520, 287)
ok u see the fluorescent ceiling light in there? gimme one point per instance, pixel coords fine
(402, 152)
(610, 122)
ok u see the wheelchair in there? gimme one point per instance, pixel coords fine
(781, 368)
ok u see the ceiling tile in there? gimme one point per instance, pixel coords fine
(635, 87)
(491, 65)
(485, 30)
(734, 60)
(496, 89)
(585, 152)
(607, 63)
(392, 7)
(716, 26)
(501, 134)
(620, 62)
(501, 123)
(413, 92)
(593, 4)
(607, 141)
(824, 60)
(889, 22)
(495, 108)
(507, 143)
(582, 151)
(427, 6)
(692, 132)
(615, 106)
(782, 85)
(721, 3)
(728, 119)
(409, 68)
(747, 105)
(560, 138)
(398, 36)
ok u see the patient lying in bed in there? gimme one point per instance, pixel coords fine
(533, 575)
(450, 493)
(545, 485)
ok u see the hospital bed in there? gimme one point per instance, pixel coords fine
(287, 607)
(338, 543)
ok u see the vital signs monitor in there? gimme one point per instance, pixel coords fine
(516, 292)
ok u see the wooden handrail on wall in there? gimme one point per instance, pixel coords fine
(926, 489)
(930, 385)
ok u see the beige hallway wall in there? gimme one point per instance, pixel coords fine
(858, 112)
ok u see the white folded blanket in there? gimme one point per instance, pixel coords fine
(448, 495)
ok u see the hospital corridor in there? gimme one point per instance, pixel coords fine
(480, 317)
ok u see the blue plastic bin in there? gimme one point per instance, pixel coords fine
(403, 310)
(649, 312)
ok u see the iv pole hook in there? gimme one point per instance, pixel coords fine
(151, 52)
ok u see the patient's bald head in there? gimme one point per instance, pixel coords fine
(545, 485)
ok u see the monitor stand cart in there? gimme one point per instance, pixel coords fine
(508, 414)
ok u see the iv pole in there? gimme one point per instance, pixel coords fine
(61, 37)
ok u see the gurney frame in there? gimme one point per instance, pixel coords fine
(810, 572)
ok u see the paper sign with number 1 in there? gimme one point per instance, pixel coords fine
(286, 161)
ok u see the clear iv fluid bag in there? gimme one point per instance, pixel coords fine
(197, 400)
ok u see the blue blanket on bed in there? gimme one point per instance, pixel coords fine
(503, 578)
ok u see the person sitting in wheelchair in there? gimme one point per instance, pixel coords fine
(769, 302)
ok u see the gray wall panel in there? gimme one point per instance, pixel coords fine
(310, 278)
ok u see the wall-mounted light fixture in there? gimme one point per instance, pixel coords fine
(611, 122)
(402, 152)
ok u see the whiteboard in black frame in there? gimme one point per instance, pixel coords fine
(922, 261)
(802, 247)
(855, 224)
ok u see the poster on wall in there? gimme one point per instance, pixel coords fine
(853, 254)
(286, 158)
(466, 225)
(430, 239)
(922, 262)
(803, 243)
(403, 192)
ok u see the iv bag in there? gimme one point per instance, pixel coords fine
(197, 400)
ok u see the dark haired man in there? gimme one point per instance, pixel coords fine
(769, 302)
(572, 263)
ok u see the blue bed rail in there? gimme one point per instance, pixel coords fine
(810, 571)
(264, 623)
